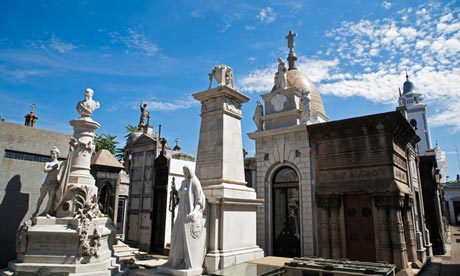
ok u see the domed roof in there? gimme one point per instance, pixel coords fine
(408, 86)
(298, 79)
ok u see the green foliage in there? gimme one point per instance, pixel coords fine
(120, 152)
(105, 141)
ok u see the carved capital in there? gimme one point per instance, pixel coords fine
(389, 201)
(329, 201)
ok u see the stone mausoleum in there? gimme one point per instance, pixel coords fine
(286, 223)
(368, 209)
(153, 167)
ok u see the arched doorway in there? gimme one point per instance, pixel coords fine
(106, 199)
(286, 217)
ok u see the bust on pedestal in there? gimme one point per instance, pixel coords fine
(74, 237)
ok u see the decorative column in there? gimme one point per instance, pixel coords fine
(323, 231)
(220, 168)
(410, 233)
(392, 239)
(329, 232)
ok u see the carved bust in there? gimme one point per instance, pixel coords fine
(86, 107)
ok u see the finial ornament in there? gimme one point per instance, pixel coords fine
(223, 74)
(33, 108)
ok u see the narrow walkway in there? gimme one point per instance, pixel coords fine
(449, 264)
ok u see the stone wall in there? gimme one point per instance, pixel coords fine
(20, 180)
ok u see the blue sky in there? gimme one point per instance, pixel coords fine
(160, 52)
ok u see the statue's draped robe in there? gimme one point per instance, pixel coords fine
(183, 253)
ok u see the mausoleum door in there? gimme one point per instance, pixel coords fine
(159, 209)
(286, 219)
(359, 227)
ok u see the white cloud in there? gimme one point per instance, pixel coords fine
(266, 15)
(19, 74)
(162, 105)
(386, 5)
(367, 58)
(61, 46)
(137, 42)
(54, 44)
(262, 80)
(197, 14)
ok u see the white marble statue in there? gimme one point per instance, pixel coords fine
(86, 107)
(282, 83)
(188, 240)
(51, 183)
(276, 82)
(305, 100)
(258, 114)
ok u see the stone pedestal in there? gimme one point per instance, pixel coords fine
(220, 168)
(66, 245)
(77, 184)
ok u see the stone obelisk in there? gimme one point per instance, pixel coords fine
(220, 167)
(78, 239)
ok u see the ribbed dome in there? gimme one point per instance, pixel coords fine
(297, 79)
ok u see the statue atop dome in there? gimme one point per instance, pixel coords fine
(291, 57)
(290, 39)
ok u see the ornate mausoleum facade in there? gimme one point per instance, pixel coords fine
(286, 222)
(367, 190)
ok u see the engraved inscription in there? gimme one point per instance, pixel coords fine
(354, 174)
(399, 161)
(400, 175)
(52, 247)
(212, 159)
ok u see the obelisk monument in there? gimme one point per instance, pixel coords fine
(220, 167)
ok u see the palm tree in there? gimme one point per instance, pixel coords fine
(105, 141)
(120, 152)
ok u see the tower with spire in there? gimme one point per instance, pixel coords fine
(417, 110)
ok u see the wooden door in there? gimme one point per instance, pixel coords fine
(359, 227)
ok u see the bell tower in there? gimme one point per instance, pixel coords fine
(417, 111)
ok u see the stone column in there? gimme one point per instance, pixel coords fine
(410, 233)
(397, 239)
(384, 250)
(324, 238)
(220, 168)
(335, 234)
(391, 229)
(329, 232)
